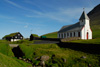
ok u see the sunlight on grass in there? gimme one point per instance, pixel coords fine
(73, 57)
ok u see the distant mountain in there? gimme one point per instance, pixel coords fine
(94, 16)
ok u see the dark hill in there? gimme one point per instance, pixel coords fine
(94, 16)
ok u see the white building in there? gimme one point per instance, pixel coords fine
(80, 29)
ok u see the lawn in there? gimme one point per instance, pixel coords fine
(73, 57)
(57, 54)
(92, 41)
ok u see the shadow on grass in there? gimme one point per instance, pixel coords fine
(17, 52)
(87, 48)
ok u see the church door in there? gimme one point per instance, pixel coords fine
(87, 35)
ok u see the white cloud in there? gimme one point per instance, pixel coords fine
(14, 4)
(6, 17)
(21, 7)
(62, 15)
(26, 26)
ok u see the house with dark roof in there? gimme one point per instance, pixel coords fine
(33, 37)
(80, 29)
(13, 37)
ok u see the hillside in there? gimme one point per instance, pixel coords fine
(11, 62)
(7, 58)
(51, 35)
(59, 57)
(94, 16)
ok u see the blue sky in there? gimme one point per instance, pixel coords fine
(40, 16)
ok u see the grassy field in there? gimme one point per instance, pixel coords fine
(7, 58)
(73, 57)
(56, 54)
(6, 61)
(96, 31)
(51, 35)
(92, 41)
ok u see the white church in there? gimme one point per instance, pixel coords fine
(80, 29)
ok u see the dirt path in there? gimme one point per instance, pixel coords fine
(13, 45)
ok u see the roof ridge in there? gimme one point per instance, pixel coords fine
(84, 16)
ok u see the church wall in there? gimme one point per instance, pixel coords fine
(86, 30)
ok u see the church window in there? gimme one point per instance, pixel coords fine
(67, 34)
(59, 35)
(64, 35)
(74, 34)
(70, 34)
(78, 34)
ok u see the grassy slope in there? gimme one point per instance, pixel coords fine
(6, 61)
(5, 49)
(93, 41)
(51, 35)
(96, 32)
(73, 57)
(6, 56)
(94, 16)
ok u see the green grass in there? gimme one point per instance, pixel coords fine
(6, 61)
(96, 31)
(92, 41)
(51, 35)
(73, 57)
(7, 58)
(35, 35)
(10, 35)
(6, 49)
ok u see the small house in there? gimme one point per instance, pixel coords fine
(33, 37)
(80, 29)
(13, 37)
